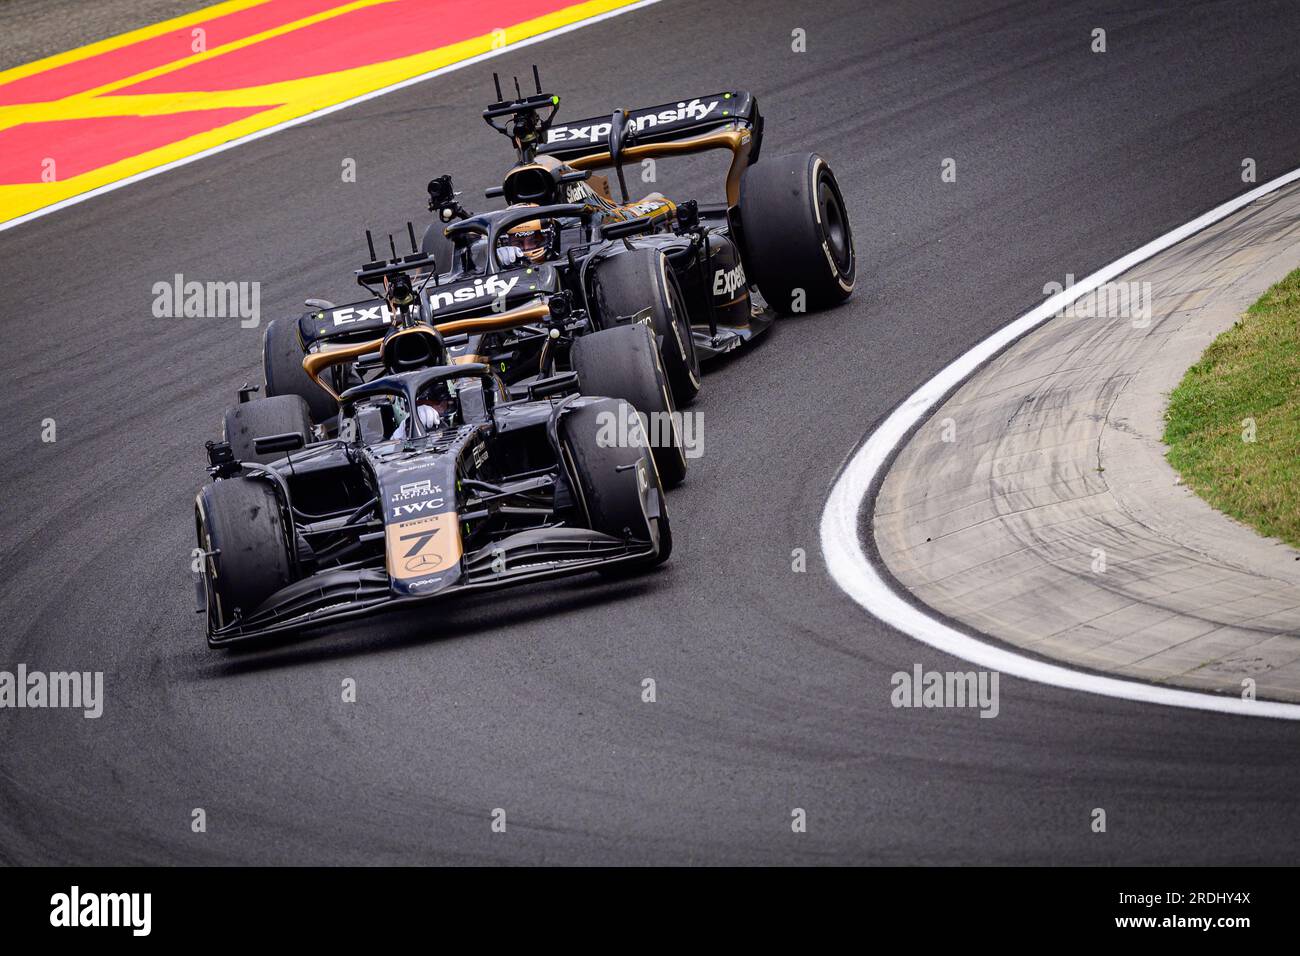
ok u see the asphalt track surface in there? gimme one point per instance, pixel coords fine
(773, 686)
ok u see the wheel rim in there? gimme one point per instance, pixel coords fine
(835, 224)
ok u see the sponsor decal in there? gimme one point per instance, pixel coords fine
(727, 281)
(416, 489)
(427, 561)
(580, 192)
(646, 206)
(420, 466)
(598, 132)
(480, 454)
(493, 287)
(351, 314)
(415, 507)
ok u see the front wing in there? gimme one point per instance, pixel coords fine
(344, 593)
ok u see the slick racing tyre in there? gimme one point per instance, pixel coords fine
(615, 483)
(282, 356)
(262, 418)
(242, 532)
(623, 362)
(796, 234)
(637, 279)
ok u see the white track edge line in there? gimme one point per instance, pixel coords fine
(316, 114)
(853, 571)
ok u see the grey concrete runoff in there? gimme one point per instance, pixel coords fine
(1036, 504)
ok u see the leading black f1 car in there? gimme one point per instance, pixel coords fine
(438, 482)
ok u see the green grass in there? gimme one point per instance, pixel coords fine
(1250, 371)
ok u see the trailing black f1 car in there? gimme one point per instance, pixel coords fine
(690, 270)
(524, 338)
(439, 482)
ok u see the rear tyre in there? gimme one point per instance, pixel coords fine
(261, 418)
(796, 233)
(241, 529)
(282, 355)
(618, 485)
(638, 279)
(623, 362)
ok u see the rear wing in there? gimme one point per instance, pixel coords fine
(728, 120)
(658, 124)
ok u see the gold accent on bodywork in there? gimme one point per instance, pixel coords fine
(422, 546)
(316, 364)
(659, 207)
(521, 315)
(737, 141)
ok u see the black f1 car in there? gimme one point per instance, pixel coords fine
(438, 482)
(689, 270)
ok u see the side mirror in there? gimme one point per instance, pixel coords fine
(475, 399)
(627, 227)
(289, 441)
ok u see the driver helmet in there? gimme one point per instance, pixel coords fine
(537, 239)
(438, 398)
(436, 407)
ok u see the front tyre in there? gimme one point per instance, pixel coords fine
(241, 529)
(798, 244)
(618, 486)
(623, 362)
